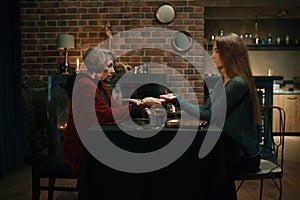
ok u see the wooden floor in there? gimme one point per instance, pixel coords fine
(16, 185)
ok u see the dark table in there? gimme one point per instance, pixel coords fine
(188, 177)
(264, 85)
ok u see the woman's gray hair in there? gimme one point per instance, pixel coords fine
(95, 59)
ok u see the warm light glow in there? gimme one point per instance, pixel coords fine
(77, 64)
(65, 41)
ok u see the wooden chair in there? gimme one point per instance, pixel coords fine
(45, 163)
(272, 156)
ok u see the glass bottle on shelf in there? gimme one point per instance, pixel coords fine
(250, 39)
(212, 40)
(278, 40)
(245, 38)
(256, 38)
(287, 39)
(221, 32)
(270, 41)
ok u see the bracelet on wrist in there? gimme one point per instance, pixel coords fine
(142, 103)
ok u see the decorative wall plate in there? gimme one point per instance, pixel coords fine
(165, 13)
(182, 41)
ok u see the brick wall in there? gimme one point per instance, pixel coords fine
(42, 21)
(85, 19)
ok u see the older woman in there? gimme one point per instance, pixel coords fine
(90, 89)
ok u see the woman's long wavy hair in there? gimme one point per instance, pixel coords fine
(234, 55)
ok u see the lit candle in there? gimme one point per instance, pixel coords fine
(173, 108)
(77, 64)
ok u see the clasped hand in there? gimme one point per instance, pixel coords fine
(150, 101)
(164, 98)
(167, 97)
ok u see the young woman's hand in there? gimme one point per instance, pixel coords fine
(167, 97)
(150, 101)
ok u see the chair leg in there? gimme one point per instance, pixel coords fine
(51, 188)
(279, 187)
(261, 188)
(35, 187)
(280, 190)
(240, 185)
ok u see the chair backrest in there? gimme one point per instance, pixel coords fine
(40, 138)
(273, 145)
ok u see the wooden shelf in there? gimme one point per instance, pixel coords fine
(261, 47)
(273, 47)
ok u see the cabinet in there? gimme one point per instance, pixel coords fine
(242, 21)
(291, 104)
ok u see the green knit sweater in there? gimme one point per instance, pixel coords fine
(238, 120)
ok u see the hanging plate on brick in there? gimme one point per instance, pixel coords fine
(165, 13)
(182, 40)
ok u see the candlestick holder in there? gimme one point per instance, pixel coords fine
(64, 43)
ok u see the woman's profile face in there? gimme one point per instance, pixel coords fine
(215, 56)
(108, 72)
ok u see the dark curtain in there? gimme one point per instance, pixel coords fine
(11, 121)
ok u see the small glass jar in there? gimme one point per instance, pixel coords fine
(287, 39)
(278, 40)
